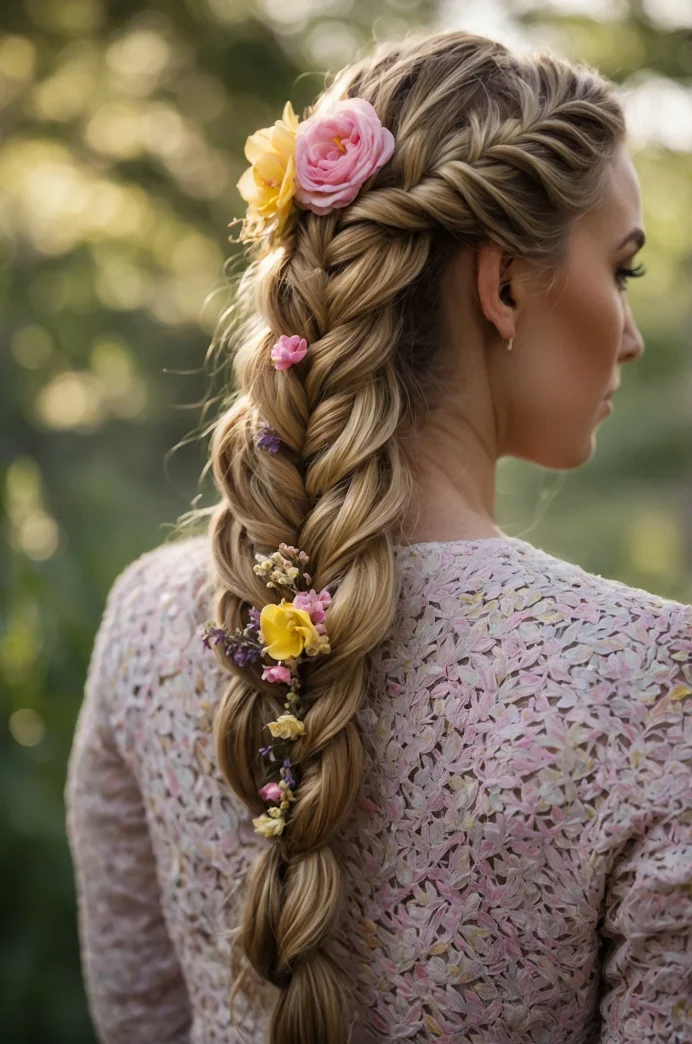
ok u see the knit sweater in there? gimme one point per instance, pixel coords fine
(518, 866)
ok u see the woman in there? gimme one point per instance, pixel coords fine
(433, 782)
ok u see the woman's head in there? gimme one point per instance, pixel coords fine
(500, 166)
(571, 330)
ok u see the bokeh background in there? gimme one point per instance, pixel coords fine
(122, 132)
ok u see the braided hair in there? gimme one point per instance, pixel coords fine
(490, 146)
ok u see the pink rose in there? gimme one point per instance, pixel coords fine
(337, 151)
(271, 792)
(276, 674)
(288, 350)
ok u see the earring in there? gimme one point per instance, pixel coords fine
(509, 344)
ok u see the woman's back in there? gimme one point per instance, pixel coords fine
(526, 799)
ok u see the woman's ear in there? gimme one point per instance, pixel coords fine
(493, 285)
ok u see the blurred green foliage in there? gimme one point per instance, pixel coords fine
(123, 127)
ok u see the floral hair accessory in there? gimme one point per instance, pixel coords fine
(337, 151)
(266, 438)
(268, 185)
(288, 350)
(319, 164)
(287, 632)
(271, 792)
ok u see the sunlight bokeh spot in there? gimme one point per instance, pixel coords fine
(32, 529)
(193, 252)
(21, 642)
(38, 536)
(31, 346)
(27, 727)
(72, 399)
(124, 390)
(17, 57)
(138, 61)
(51, 206)
(120, 283)
(163, 129)
(332, 43)
(23, 483)
(66, 16)
(669, 13)
(70, 90)
(118, 211)
(659, 111)
(115, 130)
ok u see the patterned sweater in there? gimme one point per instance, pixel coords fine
(519, 864)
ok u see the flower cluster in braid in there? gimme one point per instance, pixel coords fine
(285, 632)
(318, 165)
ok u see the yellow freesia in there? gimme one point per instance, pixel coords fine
(269, 184)
(286, 726)
(287, 631)
(269, 823)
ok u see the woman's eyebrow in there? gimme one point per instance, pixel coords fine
(637, 234)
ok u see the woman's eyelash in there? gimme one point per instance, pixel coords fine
(631, 273)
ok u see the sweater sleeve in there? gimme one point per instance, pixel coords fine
(647, 918)
(134, 985)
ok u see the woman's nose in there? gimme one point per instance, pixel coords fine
(632, 340)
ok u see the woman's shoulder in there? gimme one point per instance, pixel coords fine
(156, 607)
(499, 567)
(171, 576)
(150, 632)
(509, 591)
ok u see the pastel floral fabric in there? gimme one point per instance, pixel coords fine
(519, 865)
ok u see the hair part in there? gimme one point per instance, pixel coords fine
(490, 147)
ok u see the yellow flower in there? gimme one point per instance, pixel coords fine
(268, 185)
(269, 825)
(288, 630)
(286, 726)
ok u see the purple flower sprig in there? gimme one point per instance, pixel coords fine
(243, 647)
(266, 438)
(270, 752)
(287, 774)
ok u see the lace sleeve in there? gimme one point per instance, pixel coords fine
(135, 989)
(647, 919)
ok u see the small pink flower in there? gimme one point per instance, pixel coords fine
(288, 350)
(337, 151)
(276, 674)
(315, 604)
(271, 792)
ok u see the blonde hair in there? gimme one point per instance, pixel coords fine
(490, 146)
